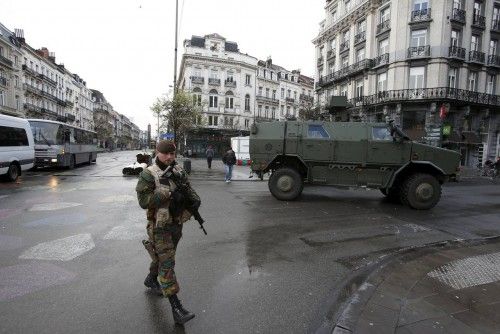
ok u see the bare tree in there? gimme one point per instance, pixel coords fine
(178, 114)
(309, 111)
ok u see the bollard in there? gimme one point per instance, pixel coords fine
(187, 165)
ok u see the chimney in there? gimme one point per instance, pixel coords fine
(19, 33)
(269, 61)
(52, 57)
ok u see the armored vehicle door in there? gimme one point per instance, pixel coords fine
(317, 144)
(383, 150)
(293, 135)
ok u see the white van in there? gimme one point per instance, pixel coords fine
(17, 149)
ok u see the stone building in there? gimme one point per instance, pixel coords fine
(234, 89)
(431, 65)
(10, 80)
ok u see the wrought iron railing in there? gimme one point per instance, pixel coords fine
(290, 100)
(494, 60)
(29, 70)
(421, 15)
(230, 83)
(32, 107)
(330, 54)
(47, 79)
(430, 94)
(479, 21)
(3, 81)
(381, 60)
(345, 72)
(361, 37)
(458, 15)
(320, 60)
(383, 26)
(456, 52)
(32, 89)
(476, 57)
(267, 99)
(213, 81)
(419, 51)
(5, 60)
(197, 80)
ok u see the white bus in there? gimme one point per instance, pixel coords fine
(16, 146)
(62, 145)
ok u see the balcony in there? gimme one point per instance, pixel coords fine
(5, 61)
(214, 82)
(267, 99)
(198, 80)
(359, 38)
(290, 100)
(3, 81)
(495, 26)
(456, 52)
(494, 60)
(32, 108)
(69, 103)
(61, 102)
(70, 117)
(344, 46)
(439, 94)
(320, 61)
(49, 112)
(49, 96)
(479, 21)
(381, 60)
(230, 83)
(330, 54)
(423, 51)
(423, 15)
(353, 69)
(47, 79)
(306, 98)
(476, 57)
(458, 15)
(383, 27)
(32, 89)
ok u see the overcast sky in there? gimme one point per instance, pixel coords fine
(125, 48)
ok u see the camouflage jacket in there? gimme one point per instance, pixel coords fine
(155, 197)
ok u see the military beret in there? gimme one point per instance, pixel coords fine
(165, 146)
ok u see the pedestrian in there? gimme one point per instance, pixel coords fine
(496, 166)
(229, 160)
(210, 155)
(165, 214)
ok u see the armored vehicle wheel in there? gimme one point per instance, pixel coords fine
(285, 184)
(421, 191)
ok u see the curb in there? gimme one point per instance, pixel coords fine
(358, 287)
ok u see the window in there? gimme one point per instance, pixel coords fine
(360, 54)
(472, 81)
(452, 77)
(282, 110)
(361, 26)
(496, 14)
(197, 97)
(359, 88)
(383, 46)
(345, 36)
(288, 111)
(229, 100)
(282, 93)
(490, 84)
(457, 4)
(331, 67)
(259, 111)
(213, 103)
(345, 61)
(381, 133)
(385, 14)
(455, 38)
(382, 82)
(2, 98)
(420, 5)
(247, 102)
(343, 90)
(289, 93)
(247, 79)
(266, 111)
(229, 76)
(10, 136)
(478, 8)
(333, 44)
(247, 123)
(213, 120)
(273, 114)
(418, 37)
(417, 77)
(267, 92)
(213, 74)
(295, 95)
(274, 94)
(260, 91)
(493, 47)
(317, 131)
(474, 43)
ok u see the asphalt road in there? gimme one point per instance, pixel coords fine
(71, 258)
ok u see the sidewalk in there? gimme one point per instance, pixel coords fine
(199, 170)
(436, 290)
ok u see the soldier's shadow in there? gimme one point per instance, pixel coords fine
(160, 314)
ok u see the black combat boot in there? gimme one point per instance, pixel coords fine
(181, 315)
(152, 283)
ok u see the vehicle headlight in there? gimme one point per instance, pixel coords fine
(53, 160)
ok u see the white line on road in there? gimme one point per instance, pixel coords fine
(471, 271)
(61, 249)
(131, 232)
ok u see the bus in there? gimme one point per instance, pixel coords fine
(61, 145)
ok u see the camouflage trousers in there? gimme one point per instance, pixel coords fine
(165, 242)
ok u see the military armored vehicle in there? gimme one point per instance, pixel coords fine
(373, 155)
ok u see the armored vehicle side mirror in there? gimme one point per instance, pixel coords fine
(253, 129)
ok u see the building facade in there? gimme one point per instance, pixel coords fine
(430, 65)
(10, 80)
(234, 89)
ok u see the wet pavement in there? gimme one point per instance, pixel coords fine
(71, 259)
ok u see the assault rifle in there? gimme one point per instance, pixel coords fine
(192, 201)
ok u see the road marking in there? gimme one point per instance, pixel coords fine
(130, 232)
(417, 228)
(471, 271)
(23, 279)
(118, 199)
(61, 249)
(53, 206)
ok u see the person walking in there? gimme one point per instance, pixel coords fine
(496, 166)
(229, 160)
(156, 193)
(210, 155)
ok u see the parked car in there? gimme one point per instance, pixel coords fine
(17, 149)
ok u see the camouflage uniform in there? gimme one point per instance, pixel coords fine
(164, 231)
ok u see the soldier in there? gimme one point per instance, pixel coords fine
(165, 215)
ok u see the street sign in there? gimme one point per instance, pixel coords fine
(167, 136)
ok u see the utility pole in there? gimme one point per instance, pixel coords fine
(175, 55)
